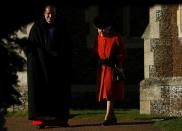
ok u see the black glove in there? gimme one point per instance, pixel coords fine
(106, 62)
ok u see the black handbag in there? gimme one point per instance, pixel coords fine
(117, 74)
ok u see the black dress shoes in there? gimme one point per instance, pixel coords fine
(52, 124)
(108, 122)
(41, 126)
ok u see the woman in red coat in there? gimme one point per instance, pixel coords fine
(110, 53)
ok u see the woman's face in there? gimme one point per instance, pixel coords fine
(104, 31)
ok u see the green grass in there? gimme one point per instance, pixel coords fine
(170, 124)
(124, 115)
(17, 114)
(127, 114)
(164, 123)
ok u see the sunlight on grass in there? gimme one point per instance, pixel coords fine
(129, 114)
(17, 114)
(123, 114)
(170, 125)
(164, 123)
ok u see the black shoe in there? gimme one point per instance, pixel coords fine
(58, 122)
(112, 121)
(64, 124)
(41, 126)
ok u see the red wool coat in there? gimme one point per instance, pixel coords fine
(105, 47)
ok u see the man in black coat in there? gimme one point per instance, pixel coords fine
(49, 70)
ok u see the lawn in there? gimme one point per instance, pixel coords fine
(164, 123)
(173, 124)
(122, 114)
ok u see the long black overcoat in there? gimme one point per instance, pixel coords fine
(49, 71)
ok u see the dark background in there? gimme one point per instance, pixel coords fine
(14, 14)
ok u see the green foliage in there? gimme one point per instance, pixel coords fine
(11, 63)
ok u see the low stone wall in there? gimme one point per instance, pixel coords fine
(162, 97)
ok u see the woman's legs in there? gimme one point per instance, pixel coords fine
(109, 110)
(110, 117)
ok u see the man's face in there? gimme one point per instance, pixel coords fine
(49, 14)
